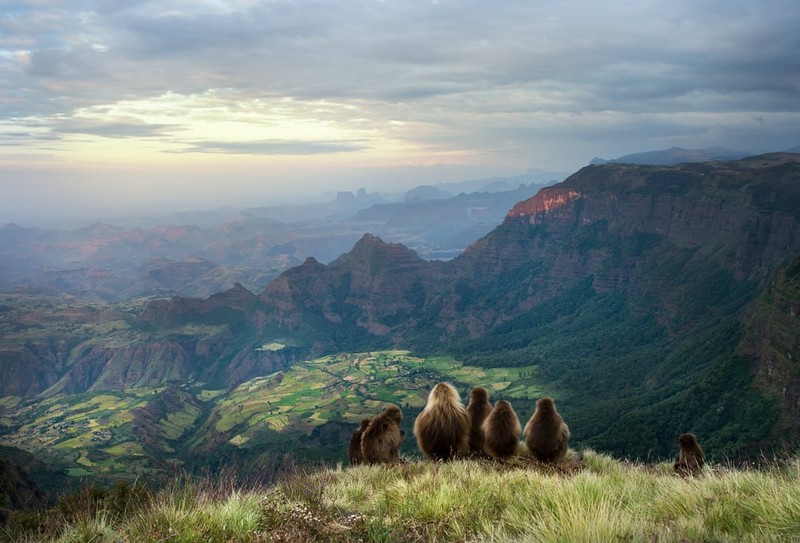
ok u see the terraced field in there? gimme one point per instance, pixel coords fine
(87, 433)
(348, 387)
(145, 431)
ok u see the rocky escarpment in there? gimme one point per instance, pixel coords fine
(103, 367)
(22, 373)
(617, 224)
(728, 222)
(366, 292)
(744, 217)
(174, 309)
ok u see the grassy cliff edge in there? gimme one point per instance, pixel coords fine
(595, 498)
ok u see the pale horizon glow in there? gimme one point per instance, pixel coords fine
(108, 105)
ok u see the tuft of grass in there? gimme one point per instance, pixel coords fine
(590, 497)
(234, 518)
(89, 529)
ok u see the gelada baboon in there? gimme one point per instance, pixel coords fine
(478, 409)
(382, 437)
(354, 452)
(546, 433)
(502, 430)
(691, 457)
(442, 429)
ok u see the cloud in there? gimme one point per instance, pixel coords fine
(113, 129)
(471, 76)
(274, 147)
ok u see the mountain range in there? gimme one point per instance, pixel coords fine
(648, 300)
(104, 262)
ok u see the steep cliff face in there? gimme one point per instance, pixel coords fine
(622, 225)
(772, 343)
(744, 217)
(94, 367)
(22, 373)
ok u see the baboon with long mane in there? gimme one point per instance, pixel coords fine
(354, 451)
(502, 429)
(546, 433)
(382, 437)
(478, 409)
(691, 457)
(442, 429)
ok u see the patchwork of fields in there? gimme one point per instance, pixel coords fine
(147, 431)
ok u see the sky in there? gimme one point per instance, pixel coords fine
(107, 105)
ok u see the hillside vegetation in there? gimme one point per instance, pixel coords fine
(590, 497)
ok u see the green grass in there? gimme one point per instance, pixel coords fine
(593, 498)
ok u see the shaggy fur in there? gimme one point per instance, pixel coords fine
(502, 429)
(354, 451)
(691, 457)
(442, 429)
(383, 437)
(546, 433)
(478, 409)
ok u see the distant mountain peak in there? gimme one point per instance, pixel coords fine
(370, 238)
(371, 242)
(373, 250)
(677, 155)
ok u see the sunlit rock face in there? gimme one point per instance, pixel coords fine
(545, 205)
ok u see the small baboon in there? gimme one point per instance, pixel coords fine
(354, 452)
(442, 429)
(382, 437)
(502, 430)
(546, 433)
(478, 409)
(691, 457)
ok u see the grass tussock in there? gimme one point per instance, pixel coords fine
(589, 497)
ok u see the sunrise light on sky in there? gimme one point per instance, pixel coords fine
(108, 104)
